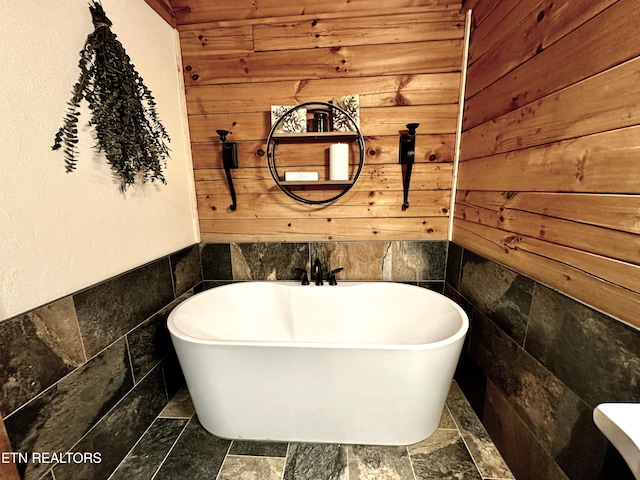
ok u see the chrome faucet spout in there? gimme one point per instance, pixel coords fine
(317, 272)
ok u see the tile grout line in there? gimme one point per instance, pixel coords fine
(242, 455)
(470, 434)
(79, 331)
(132, 448)
(99, 352)
(174, 280)
(133, 373)
(413, 471)
(348, 463)
(109, 411)
(165, 381)
(224, 460)
(172, 447)
(464, 441)
(286, 458)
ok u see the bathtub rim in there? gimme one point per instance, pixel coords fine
(460, 333)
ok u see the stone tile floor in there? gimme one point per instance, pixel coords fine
(177, 447)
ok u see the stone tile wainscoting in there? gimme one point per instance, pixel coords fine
(90, 372)
(418, 262)
(535, 365)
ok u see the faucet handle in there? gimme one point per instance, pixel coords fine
(305, 276)
(332, 275)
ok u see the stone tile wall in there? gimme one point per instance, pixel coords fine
(535, 365)
(90, 372)
(421, 262)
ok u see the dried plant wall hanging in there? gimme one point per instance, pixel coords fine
(123, 112)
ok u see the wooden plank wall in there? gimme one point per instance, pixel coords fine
(549, 177)
(404, 60)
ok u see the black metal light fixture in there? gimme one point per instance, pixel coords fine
(229, 161)
(407, 154)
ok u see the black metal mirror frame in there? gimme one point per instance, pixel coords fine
(271, 154)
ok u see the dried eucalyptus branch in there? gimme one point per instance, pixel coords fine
(122, 108)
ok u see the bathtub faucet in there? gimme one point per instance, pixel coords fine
(305, 277)
(332, 275)
(317, 272)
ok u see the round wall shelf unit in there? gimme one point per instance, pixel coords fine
(281, 140)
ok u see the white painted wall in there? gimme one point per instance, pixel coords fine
(60, 232)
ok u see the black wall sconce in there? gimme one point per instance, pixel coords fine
(229, 161)
(407, 154)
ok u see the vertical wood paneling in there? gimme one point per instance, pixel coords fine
(548, 182)
(404, 60)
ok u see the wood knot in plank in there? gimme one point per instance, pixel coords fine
(511, 242)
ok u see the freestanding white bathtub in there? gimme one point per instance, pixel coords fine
(364, 363)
